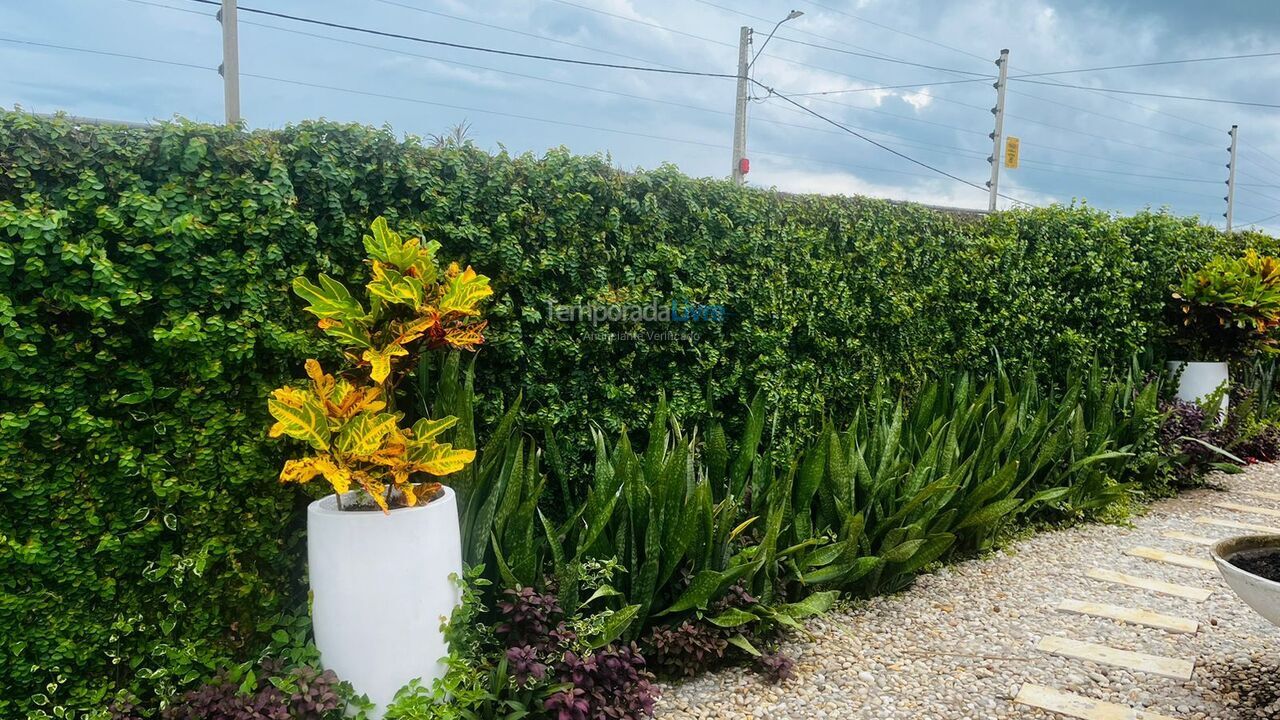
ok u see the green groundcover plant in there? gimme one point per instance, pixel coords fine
(145, 313)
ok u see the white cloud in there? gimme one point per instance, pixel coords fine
(919, 101)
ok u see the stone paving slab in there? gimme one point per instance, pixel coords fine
(1137, 616)
(1077, 706)
(961, 643)
(1146, 583)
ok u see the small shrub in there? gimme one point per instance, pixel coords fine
(302, 693)
(686, 649)
(608, 683)
(775, 666)
(532, 620)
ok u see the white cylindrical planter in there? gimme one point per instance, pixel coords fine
(1199, 380)
(381, 589)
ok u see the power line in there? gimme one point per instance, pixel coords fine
(201, 13)
(459, 63)
(108, 53)
(603, 90)
(551, 58)
(780, 58)
(464, 108)
(969, 80)
(1259, 222)
(476, 48)
(1259, 193)
(550, 121)
(842, 127)
(522, 33)
(928, 83)
(985, 59)
(895, 30)
(590, 88)
(1182, 61)
(1172, 96)
(485, 111)
(733, 11)
(638, 21)
(1022, 118)
(882, 58)
(1118, 182)
(882, 146)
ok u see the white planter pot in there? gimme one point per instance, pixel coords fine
(1259, 593)
(380, 591)
(1199, 380)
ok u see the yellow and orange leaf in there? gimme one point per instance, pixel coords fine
(380, 361)
(427, 429)
(438, 459)
(464, 291)
(467, 338)
(362, 435)
(305, 422)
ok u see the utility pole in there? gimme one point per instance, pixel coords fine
(740, 107)
(1234, 132)
(230, 68)
(997, 136)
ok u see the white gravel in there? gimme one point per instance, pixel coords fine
(959, 644)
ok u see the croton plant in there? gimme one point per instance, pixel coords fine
(349, 418)
(1230, 308)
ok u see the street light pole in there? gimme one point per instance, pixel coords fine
(745, 61)
(740, 107)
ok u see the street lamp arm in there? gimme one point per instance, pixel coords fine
(790, 16)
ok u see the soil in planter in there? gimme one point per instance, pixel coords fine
(1264, 565)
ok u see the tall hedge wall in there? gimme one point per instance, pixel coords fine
(144, 314)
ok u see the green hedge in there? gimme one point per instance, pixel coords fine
(144, 312)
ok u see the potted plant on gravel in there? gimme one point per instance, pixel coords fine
(381, 548)
(1251, 566)
(1227, 310)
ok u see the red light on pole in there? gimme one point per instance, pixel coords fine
(744, 166)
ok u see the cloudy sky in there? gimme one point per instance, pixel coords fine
(1119, 152)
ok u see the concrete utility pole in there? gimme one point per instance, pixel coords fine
(230, 68)
(997, 136)
(1234, 132)
(740, 107)
(745, 61)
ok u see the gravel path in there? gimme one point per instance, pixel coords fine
(961, 643)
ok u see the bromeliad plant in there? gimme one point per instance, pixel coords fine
(350, 420)
(1230, 308)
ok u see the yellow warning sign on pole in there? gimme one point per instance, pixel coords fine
(1011, 152)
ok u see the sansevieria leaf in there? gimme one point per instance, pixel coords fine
(304, 420)
(330, 299)
(463, 292)
(733, 617)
